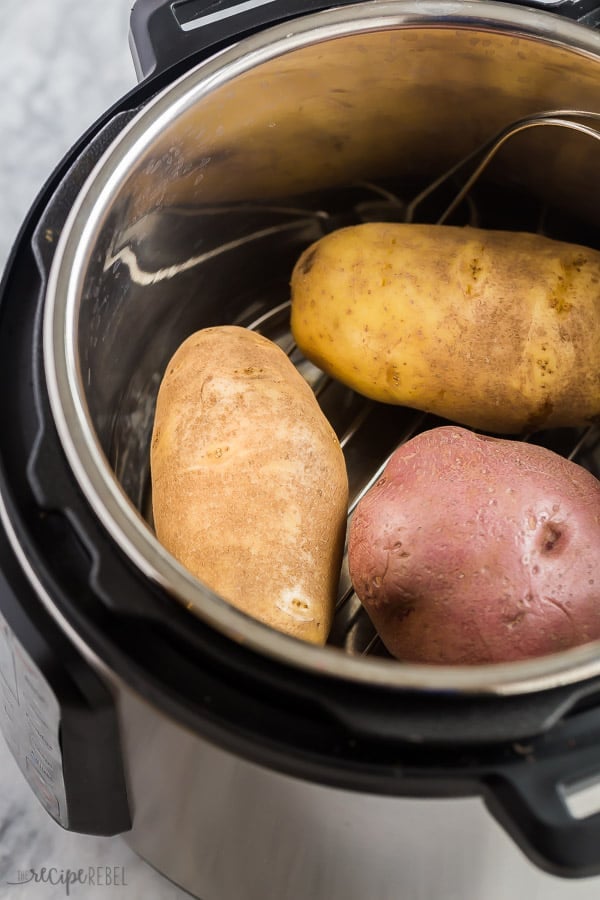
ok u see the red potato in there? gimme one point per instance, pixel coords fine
(472, 549)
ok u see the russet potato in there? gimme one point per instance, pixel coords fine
(496, 330)
(249, 484)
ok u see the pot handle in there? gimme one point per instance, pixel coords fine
(163, 34)
(549, 799)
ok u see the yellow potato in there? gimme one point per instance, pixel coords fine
(492, 329)
(249, 483)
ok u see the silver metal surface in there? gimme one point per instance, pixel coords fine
(226, 829)
(175, 228)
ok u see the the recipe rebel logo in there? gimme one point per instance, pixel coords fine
(91, 876)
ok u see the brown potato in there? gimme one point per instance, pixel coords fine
(249, 484)
(473, 549)
(496, 330)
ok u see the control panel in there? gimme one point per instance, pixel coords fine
(30, 723)
(57, 715)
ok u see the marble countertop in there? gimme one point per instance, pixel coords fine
(62, 63)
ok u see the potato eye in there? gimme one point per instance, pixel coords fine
(550, 537)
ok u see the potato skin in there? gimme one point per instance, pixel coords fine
(249, 483)
(496, 330)
(474, 549)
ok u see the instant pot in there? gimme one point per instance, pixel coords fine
(240, 762)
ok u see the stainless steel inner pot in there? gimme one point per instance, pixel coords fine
(197, 212)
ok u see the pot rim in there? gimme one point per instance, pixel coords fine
(65, 387)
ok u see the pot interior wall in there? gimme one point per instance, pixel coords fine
(208, 225)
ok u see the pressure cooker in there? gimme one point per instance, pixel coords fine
(238, 761)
